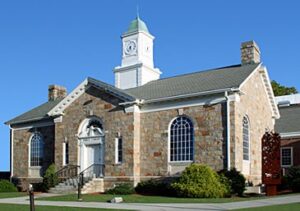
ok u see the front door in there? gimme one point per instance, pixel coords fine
(93, 154)
(91, 143)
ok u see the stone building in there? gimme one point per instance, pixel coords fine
(145, 127)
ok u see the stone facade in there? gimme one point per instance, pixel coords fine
(145, 135)
(254, 104)
(115, 122)
(209, 140)
(21, 166)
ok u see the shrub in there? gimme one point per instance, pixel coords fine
(6, 186)
(155, 187)
(50, 179)
(236, 181)
(293, 178)
(122, 188)
(199, 181)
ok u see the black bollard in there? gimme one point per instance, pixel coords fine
(79, 187)
(31, 198)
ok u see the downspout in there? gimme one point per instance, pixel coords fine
(11, 152)
(228, 129)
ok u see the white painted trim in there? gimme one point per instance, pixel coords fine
(75, 94)
(117, 150)
(292, 154)
(249, 137)
(228, 138)
(250, 76)
(268, 88)
(29, 152)
(12, 153)
(169, 142)
(247, 162)
(269, 91)
(290, 135)
(189, 95)
(176, 104)
(137, 32)
(64, 153)
(34, 125)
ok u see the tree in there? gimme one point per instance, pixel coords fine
(280, 90)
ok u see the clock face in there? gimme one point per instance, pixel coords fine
(130, 47)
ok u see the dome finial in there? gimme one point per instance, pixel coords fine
(137, 11)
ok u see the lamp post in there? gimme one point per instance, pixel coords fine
(80, 183)
(31, 198)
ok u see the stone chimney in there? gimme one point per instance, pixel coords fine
(56, 91)
(250, 53)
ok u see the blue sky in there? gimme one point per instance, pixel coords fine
(64, 41)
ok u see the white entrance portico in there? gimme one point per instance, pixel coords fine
(91, 147)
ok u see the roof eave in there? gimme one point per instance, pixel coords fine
(11, 122)
(81, 88)
(196, 94)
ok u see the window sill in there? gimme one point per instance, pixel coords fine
(180, 163)
(35, 167)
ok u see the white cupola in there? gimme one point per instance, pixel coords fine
(137, 66)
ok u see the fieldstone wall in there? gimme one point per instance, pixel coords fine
(115, 122)
(209, 139)
(255, 104)
(21, 153)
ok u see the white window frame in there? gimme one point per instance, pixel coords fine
(292, 162)
(249, 139)
(64, 148)
(117, 161)
(29, 149)
(169, 141)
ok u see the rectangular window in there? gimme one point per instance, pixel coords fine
(119, 150)
(65, 153)
(286, 156)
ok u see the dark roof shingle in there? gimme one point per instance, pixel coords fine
(35, 114)
(221, 78)
(289, 119)
(209, 80)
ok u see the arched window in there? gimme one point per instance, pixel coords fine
(246, 144)
(36, 150)
(91, 127)
(181, 139)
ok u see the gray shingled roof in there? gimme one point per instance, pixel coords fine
(221, 78)
(289, 119)
(209, 80)
(35, 114)
(111, 89)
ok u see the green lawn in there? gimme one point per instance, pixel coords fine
(13, 207)
(135, 198)
(284, 207)
(12, 194)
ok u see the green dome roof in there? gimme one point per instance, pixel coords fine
(137, 25)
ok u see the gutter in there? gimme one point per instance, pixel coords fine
(11, 152)
(290, 135)
(228, 130)
(217, 91)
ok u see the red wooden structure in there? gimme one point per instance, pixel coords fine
(271, 169)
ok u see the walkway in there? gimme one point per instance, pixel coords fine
(162, 207)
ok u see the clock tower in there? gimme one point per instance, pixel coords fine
(137, 66)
